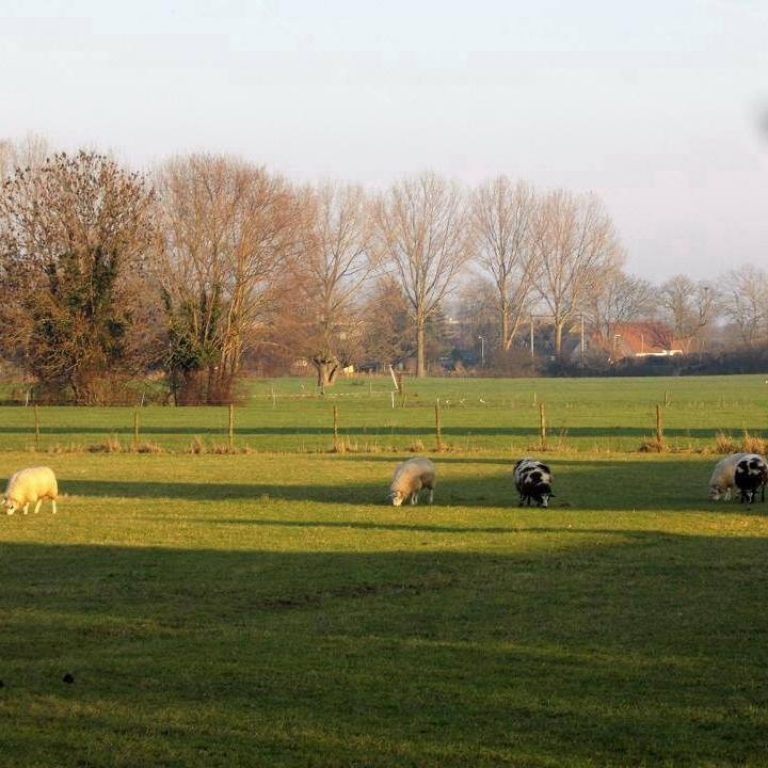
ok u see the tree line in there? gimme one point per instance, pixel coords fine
(210, 266)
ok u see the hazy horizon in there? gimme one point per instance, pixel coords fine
(655, 109)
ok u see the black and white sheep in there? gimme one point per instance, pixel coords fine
(410, 478)
(29, 485)
(723, 477)
(750, 477)
(533, 481)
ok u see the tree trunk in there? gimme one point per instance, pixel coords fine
(327, 366)
(506, 340)
(559, 338)
(421, 366)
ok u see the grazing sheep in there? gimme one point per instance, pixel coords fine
(533, 481)
(410, 477)
(32, 484)
(750, 477)
(723, 477)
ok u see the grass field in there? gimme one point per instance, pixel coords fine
(269, 609)
(480, 415)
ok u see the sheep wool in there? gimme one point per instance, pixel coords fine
(751, 477)
(31, 485)
(722, 481)
(533, 480)
(411, 477)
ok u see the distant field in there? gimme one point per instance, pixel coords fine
(271, 610)
(476, 415)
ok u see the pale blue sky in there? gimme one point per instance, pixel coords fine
(653, 106)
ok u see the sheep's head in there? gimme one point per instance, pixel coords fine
(715, 492)
(10, 505)
(397, 498)
(541, 493)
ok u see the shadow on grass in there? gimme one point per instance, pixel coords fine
(648, 651)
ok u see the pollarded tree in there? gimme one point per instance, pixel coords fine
(423, 235)
(332, 264)
(227, 227)
(74, 235)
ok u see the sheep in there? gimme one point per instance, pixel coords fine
(32, 484)
(533, 481)
(750, 477)
(409, 479)
(722, 480)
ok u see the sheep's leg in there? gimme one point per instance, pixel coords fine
(53, 502)
(37, 505)
(25, 508)
(414, 498)
(431, 495)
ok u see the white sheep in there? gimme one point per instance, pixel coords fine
(32, 484)
(410, 478)
(723, 480)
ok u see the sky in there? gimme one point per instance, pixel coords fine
(658, 108)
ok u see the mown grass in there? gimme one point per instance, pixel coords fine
(271, 610)
(480, 415)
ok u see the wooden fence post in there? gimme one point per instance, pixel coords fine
(543, 426)
(336, 428)
(231, 426)
(659, 427)
(438, 430)
(37, 428)
(135, 429)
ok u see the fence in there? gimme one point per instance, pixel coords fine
(369, 424)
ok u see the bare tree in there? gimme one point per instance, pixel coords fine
(575, 245)
(745, 304)
(388, 333)
(617, 300)
(227, 228)
(423, 235)
(333, 262)
(502, 215)
(74, 236)
(30, 152)
(689, 307)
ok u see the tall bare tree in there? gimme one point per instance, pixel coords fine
(74, 235)
(227, 228)
(690, 307)
(619, 299)
(423, 234)
(332, 264)
(575, 245)
(745, 304)
(502, 215)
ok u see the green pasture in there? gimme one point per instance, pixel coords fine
(258, 609)
(365, 416)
